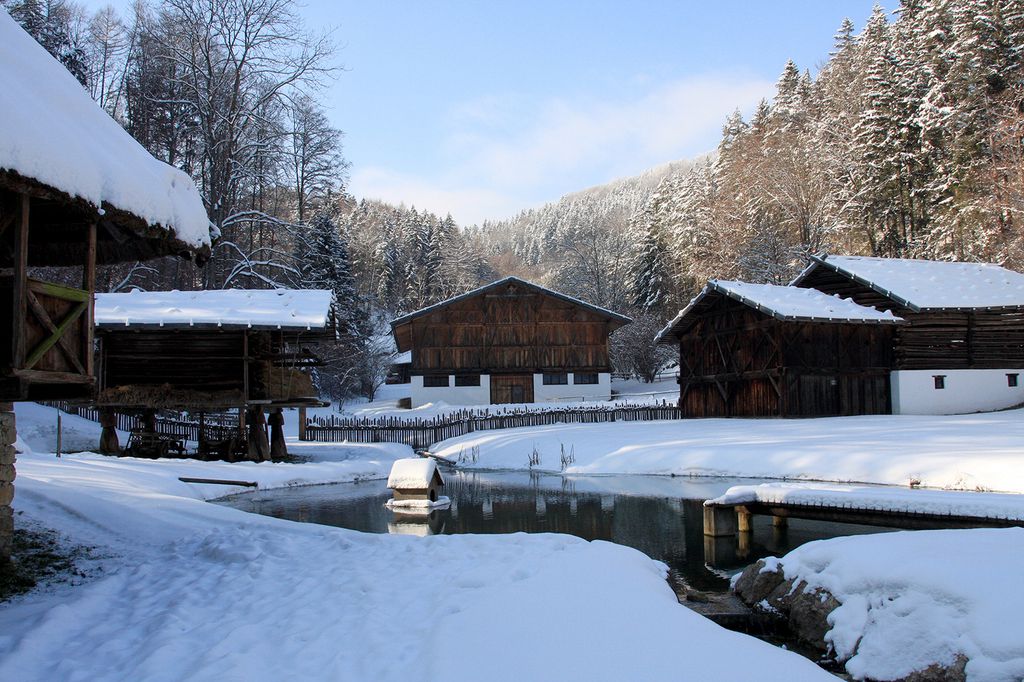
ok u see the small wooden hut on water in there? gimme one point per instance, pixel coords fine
(202, 351)
(75, 191)
(855, 335)
(510, 341)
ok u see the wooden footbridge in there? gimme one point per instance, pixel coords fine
(906, 508)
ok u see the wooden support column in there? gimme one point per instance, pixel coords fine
(259, 446)
(278, 447)
(89, 319)
(744, 520)
(302, 423)
(109, 444)
(20, 288)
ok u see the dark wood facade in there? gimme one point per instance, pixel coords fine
(205, 369)
(736, 361)
(936, 338)
(509, 329)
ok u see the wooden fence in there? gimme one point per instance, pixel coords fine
(175, 425)
(423, 433)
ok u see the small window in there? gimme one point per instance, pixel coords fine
(555, 378)
(467, 379)
(940, 381)
(584, 378)
(1011, 380)
(435, 381)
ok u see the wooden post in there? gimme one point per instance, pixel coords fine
(89, 284)
(149, 420)
(20, 289)
(259, 446)
(278, 447)
(302, 423)
(108, 438)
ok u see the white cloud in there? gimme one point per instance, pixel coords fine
(503, 155)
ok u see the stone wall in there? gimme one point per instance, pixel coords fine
(7, 436)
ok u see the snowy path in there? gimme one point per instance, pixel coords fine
(200, 591)
(979, 451)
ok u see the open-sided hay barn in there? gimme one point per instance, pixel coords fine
(510, 341)
(75, 190)
(750, 350)
(210, 350)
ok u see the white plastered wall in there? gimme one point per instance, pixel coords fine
(451, 394)
(602, 390)
(966, 390)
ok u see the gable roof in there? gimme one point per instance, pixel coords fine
(413, 473)
(292, 309)
(604, 312)
(926, 284)
(56, 142)
(787, 303)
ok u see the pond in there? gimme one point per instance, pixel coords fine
(660, 516)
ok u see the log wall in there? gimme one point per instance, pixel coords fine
(738, 362)
(514, 330)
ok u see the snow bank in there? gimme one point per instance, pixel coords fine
(972, 452)
(939, 502)
(413, 472)
(206, 592)
(53, 132)
(910, 599)
(37, 427)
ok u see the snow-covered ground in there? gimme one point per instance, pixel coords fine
(191, 590)
(910, 599)
(877, 498)
(971, 452)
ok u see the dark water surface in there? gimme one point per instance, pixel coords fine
(660, 516)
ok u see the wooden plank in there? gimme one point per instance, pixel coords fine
(89, 284)
(56, 335)
(40, 312)
(19, 325)
(59, 291)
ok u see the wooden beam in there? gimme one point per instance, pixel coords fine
(89, 284)
(19, 325)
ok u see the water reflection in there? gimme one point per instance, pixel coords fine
(660, 516)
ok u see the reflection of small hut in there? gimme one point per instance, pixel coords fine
(75, 190)
(212, 351)
(415, 479)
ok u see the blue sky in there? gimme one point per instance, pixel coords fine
(485, 108)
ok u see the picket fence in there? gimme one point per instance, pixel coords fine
(180, 427)
(421, 434)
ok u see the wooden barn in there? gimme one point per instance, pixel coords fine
(211, 351)
(962, 347)
(75, 191)
(510, 341)
(754, 350)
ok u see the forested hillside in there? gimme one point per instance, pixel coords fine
(906, 142)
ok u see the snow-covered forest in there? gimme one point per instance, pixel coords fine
(906, 141)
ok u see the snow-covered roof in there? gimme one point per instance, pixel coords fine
(414, 472)
(402, 358)
(227, 308)
(622, 319)
(785, 303)
(927, 284)
(52, 132)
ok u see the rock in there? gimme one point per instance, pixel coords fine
(753, 586)
(957, 672)
(808, 615)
